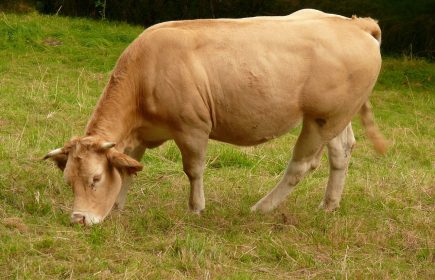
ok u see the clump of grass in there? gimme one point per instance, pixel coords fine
(384, 228)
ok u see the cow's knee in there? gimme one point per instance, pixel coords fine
(340, 151)
(193, 172)
(196, 197)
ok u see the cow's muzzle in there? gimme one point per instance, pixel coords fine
(85, 218)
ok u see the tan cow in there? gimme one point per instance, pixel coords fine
(240, 81)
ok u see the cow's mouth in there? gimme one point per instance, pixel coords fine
(85, 218)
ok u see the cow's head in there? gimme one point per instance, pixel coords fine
(95, 171)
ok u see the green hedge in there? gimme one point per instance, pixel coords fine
(407, 25)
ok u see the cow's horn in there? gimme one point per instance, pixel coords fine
(53, 153)
(107, 145)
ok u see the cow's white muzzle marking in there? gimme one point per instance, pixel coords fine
(85, 218)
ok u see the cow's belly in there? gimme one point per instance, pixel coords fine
(249, 136)
(253, 120)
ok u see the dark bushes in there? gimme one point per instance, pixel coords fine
(407, 25)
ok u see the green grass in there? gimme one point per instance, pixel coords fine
(384, 229)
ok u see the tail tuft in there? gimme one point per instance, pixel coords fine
(373, 133)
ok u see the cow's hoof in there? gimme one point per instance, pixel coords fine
(261, 207)
(329, 207)
(118, 206)
(196, 211)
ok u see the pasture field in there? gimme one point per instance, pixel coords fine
(53, 69)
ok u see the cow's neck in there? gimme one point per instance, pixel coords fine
(115, 116)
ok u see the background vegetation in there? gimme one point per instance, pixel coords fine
(408, 25)
(52, 70)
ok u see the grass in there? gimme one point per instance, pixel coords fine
(53, 69)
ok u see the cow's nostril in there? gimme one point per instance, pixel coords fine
(78, 219)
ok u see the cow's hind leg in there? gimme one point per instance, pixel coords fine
(315, 163)
(339, 152)
(193, 148)
(306, 155)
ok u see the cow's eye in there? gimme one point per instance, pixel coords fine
(96, 179)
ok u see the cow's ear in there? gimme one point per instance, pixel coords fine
(59, 156)
(60, 160)
(124, 162)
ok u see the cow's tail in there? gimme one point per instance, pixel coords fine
(373, 133)
(369, 25)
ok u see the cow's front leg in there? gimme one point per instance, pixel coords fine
(137, 154)
(120, 200)
(339, 152)
(193, 148)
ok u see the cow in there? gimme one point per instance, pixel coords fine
(239, 81)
